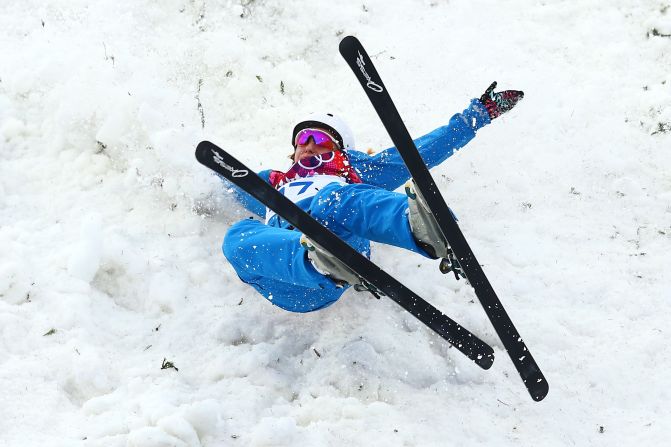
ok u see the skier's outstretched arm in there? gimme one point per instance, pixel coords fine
(245, 199)
(387, 170)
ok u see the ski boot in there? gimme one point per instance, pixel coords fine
(334, 269)
(427, 233)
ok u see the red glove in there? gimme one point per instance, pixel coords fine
(498, 103)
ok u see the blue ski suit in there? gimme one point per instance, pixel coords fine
(269, 256)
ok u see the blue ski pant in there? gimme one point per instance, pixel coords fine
(272, 260)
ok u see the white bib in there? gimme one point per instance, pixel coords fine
(304, 188)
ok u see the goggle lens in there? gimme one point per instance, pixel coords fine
(320, 138)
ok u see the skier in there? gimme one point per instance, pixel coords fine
(352, 194)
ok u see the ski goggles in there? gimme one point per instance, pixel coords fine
(320, 138)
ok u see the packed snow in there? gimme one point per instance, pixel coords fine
(121, 323)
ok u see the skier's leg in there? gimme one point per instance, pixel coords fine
(366, 211)
(256, 249)
(424, 226)
(273, 261)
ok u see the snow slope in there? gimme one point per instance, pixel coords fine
(110, 265)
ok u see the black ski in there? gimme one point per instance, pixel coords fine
(225, 164)
(362, 66)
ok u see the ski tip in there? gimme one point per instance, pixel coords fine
(537, 386)
(347, 43)
(202, 148)
(486, 361)
(203, 144)
(539, 390)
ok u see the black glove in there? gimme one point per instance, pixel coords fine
(499, 103)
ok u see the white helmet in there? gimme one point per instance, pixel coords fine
(330, 122)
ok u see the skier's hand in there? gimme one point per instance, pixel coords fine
(498, 103)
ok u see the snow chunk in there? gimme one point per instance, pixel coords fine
(275, 431)
(167, 291)
(179, 428)
(14, 284)
(12, 128)
(85, 259)
(153, 437)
